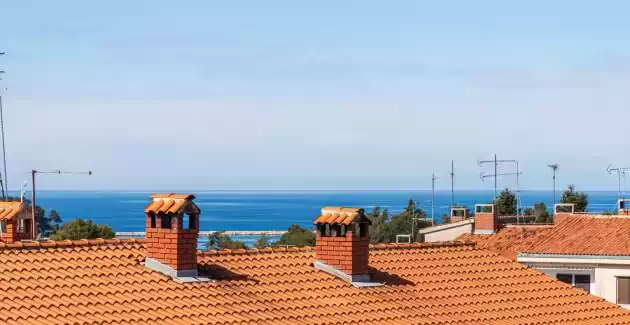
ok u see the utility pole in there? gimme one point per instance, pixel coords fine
(433, 178)
(554, 168)
(34, 172)
(452, 183)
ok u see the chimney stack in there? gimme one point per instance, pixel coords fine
(342, 242)
(561, 211)
(172, 226)
(15, 222)
(486, 221)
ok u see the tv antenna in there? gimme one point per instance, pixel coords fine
(452, 174)
(621, 173)
(496, 176)
(34, 172)
(554, 168)
(433, 178)
(496, 162)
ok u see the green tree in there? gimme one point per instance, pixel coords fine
(379, 218)
(579, 199)
(220, 240)
(541, 213)
(296, 236)
(82, 229)
(403, 223)
(506, 203)
(263, 241)
(48, 224)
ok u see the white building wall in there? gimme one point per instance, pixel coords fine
(446, 232)
(606, 276)
(603, 276)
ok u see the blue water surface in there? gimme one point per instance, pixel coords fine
(273, 210)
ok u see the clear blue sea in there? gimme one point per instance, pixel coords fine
(271, 210)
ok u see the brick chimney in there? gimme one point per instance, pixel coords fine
(342, 241)
(172, 226)
(486, 221)
(15, 221)
(562, 211)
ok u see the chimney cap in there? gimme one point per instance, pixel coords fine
(173, 196)
(10, 209)
(341, 215)
(172, 203)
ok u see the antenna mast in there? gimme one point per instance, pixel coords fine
(452, 183)
(621, 173)
(3, 183)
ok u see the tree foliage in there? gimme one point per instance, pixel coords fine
(263, 241)
(220, 240)
(580, 199)
(82, 229)
(506, 203)
(379, 218)
(296, 236)
(540, 213)
(385, 228)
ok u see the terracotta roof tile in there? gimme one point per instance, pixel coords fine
(340, 215)
(104, 282)
(8, 210)
(170, 203)
(590, 235)
(510, 240)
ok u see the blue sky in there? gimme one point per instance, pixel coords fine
(318, 95)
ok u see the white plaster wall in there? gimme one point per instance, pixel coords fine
(448, 234)
(603, 277)
(606, 277)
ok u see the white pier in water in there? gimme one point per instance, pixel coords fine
(205, 233)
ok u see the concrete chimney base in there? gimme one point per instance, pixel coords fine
(359, 281)
(183, 276)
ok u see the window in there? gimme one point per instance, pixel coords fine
(152, 217)
(166, 222)
(192, 221)
(21, 226)
(185, 224)
(623, 291)
(582, 281)
(566, 278)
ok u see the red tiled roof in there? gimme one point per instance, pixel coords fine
(510, 240)
(104, 282)
(8, 210)
(592, 235)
